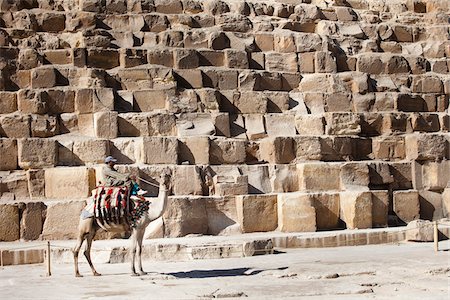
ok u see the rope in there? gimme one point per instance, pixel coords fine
(147, 182)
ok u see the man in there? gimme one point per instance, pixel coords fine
(110, 175)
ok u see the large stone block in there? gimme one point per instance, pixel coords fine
(44, 77)
(380, 208)
(105, 124)
(283, 178)
(254, 126)
(37, 153)
(426, 147)
(389, 148)
(327, 210)
(150, 100)
(318, 176)
(343, 124)
(356, 209)
(15, 126)
(69, 182)
(406, 205)
(280, 124)
(250, 102)
(185, 215)
(308, 148)
(258, 178)
(44, 126)
(94, 100)
(14, 185)
(61, 222)
(102, 58)
(194, 150)
(446, 203)
(226, 185)
(354, 176)
(257, 213)
(296, 213)
(126, 150)
(8, 102)
(430, 205)
(160, 150)
(91, 151)
(310, 124)
(36, 183)
(431, 175)
(195, 124)
(9, 223)
(187, 181)
(278, 150)
(222, 215)
(227, 151)
(32, 221)
(8, 159)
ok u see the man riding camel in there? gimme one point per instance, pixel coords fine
(111, 176)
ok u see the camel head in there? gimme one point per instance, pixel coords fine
(165, 178)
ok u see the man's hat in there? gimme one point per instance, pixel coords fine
(109, 159)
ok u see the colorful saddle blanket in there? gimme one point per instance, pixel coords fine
(110, 203)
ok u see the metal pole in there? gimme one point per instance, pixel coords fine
(49, 272)
(436, 237)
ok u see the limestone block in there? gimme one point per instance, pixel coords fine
(185, 215)
(251, 102)
(187, 181)
(278, 101)
(227, 151)
(257, 213)
(210, 99)
(318, 176)
(169, 7)
(234, 23)
(306, 62)
(132, 57)
(105, 124)
(380, 208)
(237, 127)
(420, 231)
(94, 100)
(324, 62)
(338, 148)
(185, 59)
(379, 173)
(354, 176)
(221, 124)
(370, 64)
(427, 84)
(296, 213)
(389, 148)
(426, 147)
(338, 102)
(254, 126)
(162, 57)
(356, 209)
(54, 228)
(402, 174)
(397, 64)
(32, 221)
(221, 79)
(58, 57)
(160, 150)
(150, 100)
(230, 185)
(194, 150)
(32, 101)
(430, 205)
(91, 151)
(283, 178)
(278, 150)
(280, 124)
(425, 122)
(222, 215)
(102, 58)
(283, 41)
(236, 59)
(430, 175)
(69, 182)
(264, 41)
(37, 153)
(59, 101)
(14, 185)
(308, 42)
(258, 178)
(36, 183)
(126, 150)
(211, 58)
(343, 123)
(195, 124)
(406, 205)
(308, 148)
(285, 62)
(43, 77)
(310, 124)
(8, 159)
(446, 202)
(85, 124)
(327, 210)
(9, 223)
(8, 102)
(189, 78)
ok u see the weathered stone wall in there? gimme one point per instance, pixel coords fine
(296, 115)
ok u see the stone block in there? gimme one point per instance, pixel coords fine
(446, 203)
(14, 185)
(420, 231)
(222, 124)
(32, 102)
(425, 122)
(91, 151)
(236, 59)
(185, 58)
(257, 213)
(150, 100)
(402, 174)
(283, 178)
(102, 58)
(187, 181)
(278, 150)
(230, 185)
(161, 124)
(195, 124)
(389, 148)
(370, 64)
(258, 178)
(308, 148)
(32, 221)
(343, 123)
(296, 213)
(406, 205)
(126, 150)
(284, 62)
(356, 209)
(354, 176)
(430, 205)
(254, 126)
(58, 57)
(211, 58)
(185, 215)
(85, 124)
(222, 215)
(306, 62)
(194, 150)
(379, 173)
(327, 210)
(264, 41)
(338, 102)
(69, 182)
(318, 176)
(8, 102)
(160, 150)
(37, 153)
(250, 102)
(227, 151)
(44, 77)
(310, 124)
(426, 147)
(324, 62)
(54, 228)
(9, 221)
(280, 125)
(162, 57)
(277, 101)
(59, 101)
(94, 100)
(8, 159)
(132, 57)
(380, 208)
(105, 124)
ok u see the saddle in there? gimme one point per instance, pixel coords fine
(111, 204)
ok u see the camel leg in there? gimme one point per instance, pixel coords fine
(133, 251)
(76, 250)
(139, 238)
(87, 252)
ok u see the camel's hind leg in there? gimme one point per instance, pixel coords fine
(76, 250)
(87, 251)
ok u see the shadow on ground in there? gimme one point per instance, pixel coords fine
(220, 273)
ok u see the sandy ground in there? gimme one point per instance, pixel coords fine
(403, 271)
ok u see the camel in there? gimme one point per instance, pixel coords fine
(88, 228)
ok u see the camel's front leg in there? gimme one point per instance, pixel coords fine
(139, 238)
(133, 251)
(87, 252)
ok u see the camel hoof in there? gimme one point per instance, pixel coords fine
(135, 274)
(142, 273)
(78, 275)
(97, 274)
